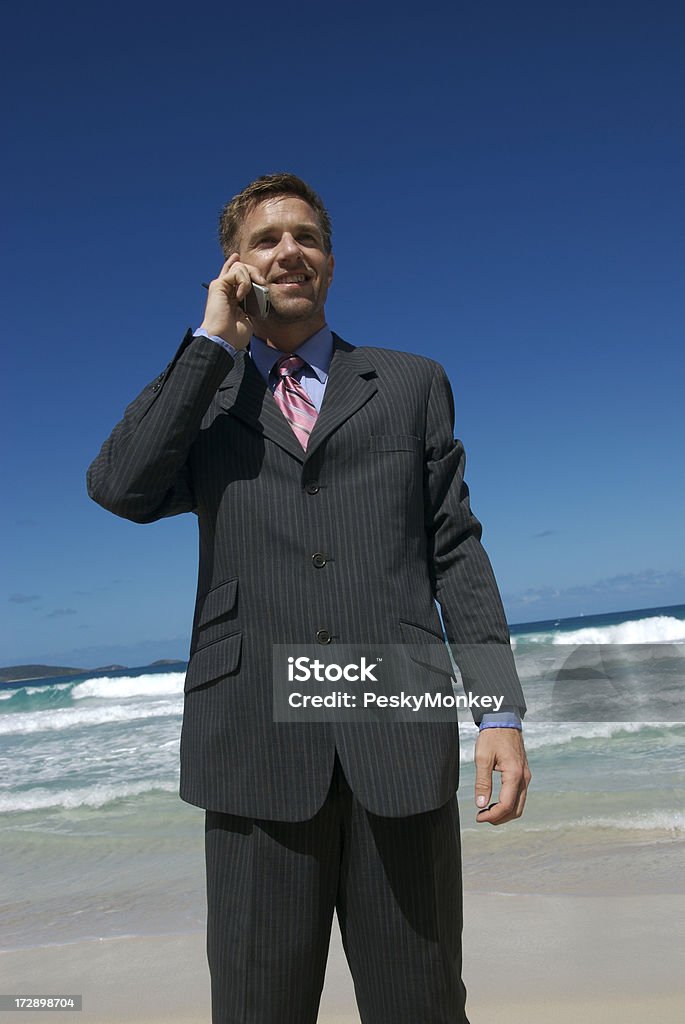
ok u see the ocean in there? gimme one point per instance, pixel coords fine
(96, 842)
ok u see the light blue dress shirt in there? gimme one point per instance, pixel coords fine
(316, 351)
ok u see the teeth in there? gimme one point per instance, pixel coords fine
(292, 279)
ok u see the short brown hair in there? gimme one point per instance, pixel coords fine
(269, 185)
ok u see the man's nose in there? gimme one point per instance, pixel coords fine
(288, 247)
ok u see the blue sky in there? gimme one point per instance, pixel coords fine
(505, 182)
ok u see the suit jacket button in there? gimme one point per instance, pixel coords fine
(323, 636)
(312, 487)
(319, 560)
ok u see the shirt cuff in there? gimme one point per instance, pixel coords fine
(202, 333)
(500, 720)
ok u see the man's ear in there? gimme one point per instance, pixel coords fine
(331, 264)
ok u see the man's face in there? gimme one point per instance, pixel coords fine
(281, 237)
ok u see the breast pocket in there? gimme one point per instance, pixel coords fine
(394, 443)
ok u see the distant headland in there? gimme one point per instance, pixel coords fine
(26, 673)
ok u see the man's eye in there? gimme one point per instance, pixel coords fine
(266, 242)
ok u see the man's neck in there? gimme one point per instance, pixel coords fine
(286, 337)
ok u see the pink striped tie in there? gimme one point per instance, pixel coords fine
(293, 400)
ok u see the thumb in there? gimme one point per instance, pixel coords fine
(483, 787)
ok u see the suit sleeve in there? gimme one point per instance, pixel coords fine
(142, 470)
(461, 574)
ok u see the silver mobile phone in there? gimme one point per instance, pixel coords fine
(257, 302)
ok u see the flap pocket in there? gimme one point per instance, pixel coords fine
(214, 661)
(219, 601)
(426, 648)
(394, 443)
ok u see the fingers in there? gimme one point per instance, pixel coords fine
(521, 802)
(524, 791)
(234, 279)
(241, 280)
(233, 258)
(506, 807)
(503, 752)
(237, 277)
(254, 274)
(224, 316)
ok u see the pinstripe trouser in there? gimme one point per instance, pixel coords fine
(272, 888)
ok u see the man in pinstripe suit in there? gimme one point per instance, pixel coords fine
(343, 526)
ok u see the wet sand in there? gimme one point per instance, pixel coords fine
(527, 959)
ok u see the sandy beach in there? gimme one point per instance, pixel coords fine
(573, 915)
(527, 958)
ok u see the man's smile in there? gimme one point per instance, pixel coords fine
(291, 279)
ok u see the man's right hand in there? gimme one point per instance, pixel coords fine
(223, 315)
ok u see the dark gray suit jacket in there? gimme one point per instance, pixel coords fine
(380, 493)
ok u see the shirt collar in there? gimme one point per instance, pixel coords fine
(317, 351)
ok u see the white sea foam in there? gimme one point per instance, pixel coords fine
(68, 718)
(152, 685)
(7, 694)
(654, 630)
(30, 690)
(662, 821)
(670, 822)
(555, 734)
(94, 796)
(651, 821)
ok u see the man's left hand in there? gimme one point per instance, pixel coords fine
(501, 750)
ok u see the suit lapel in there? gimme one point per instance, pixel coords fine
(244, 394)
(351, 383)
